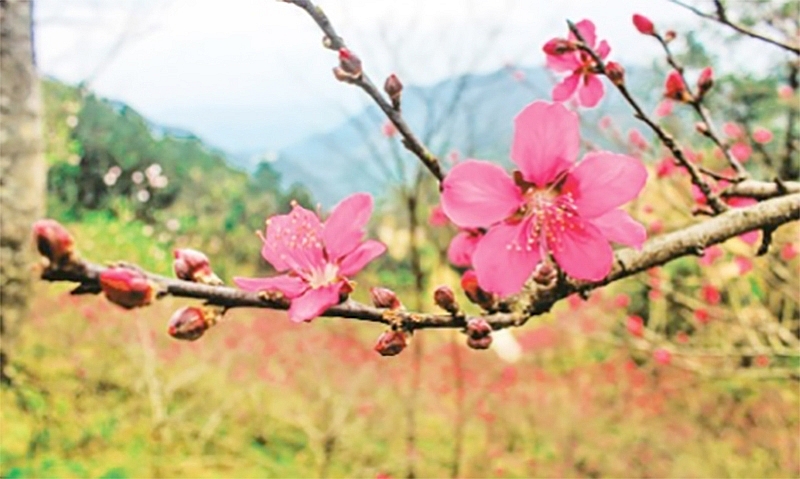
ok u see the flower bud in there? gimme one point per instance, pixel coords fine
(469, 283)
(701, 127)
(675, 88)
(446, 299)
(188, 323)
(193, 265)
(384, 298)
(53, 241)
(616, 73)
(635, 326)
(670, 35)
(544, 273)
(393, 87)
(349, 63)
(662, 356)
(127, 287)
(479, 333)
(559, 46)
(391, 343)
(643, 24)
(705, 81)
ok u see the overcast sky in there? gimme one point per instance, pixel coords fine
(250, 74)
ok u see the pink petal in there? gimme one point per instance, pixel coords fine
(619, 227)
(270, 253)
(314, 302)
(546, 141)
(604, 181)
(582, 251)
(564, 90)
(290, 286)
(501, 267)
(586, 29)
(567, 62)
(294, 240)
(478, 193)
(344, 228)
(355, 261)
(462, 248)
(603, 49)
(591, 91)
(751, 237)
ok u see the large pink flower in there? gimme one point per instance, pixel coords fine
(319, 257)
(551, 206)
(583, 81)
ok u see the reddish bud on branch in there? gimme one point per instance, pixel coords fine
(469, 283)
(616, 73)
(675, 88)
(391, 343)
(670, 35)
(349, 68)
(445, 298)
(394, 88)
(193, 265)
(559, 46)
(643, 24)
(479, 334)
(53, 241)
(545, 273)
(705, 81)
(127, 287)
(385, 298)
(189, 323)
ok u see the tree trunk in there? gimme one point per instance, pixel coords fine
(22, 167)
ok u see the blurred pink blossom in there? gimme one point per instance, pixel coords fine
(662, 356)
(583, 83)
(664, 108)
(732, 130)
(762, 135)
(741, 151)
(437, 217)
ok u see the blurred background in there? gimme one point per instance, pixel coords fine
(184, 123)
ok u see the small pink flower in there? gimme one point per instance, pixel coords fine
(744, 264)
(702, 316)
(319, 257)
(788, 252)
(643, 24)
(583, 82)
(762, 135)
(462, 247)
(711, 254)
(662, 356)
(741, 151)
(635, 326)
(550, 206)
(437, 218)
(666, 167)
(706, 80)
(711, 294)
(637, 140)
(622, 301)
(665, 108)
(732, 130)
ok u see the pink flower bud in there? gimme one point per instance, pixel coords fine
(762, 135)
(662, 356)
(469, 283)
(705, 81)
(635, 326)
(670, 35)
(445, 298)
(558, 46)
(127, 287)
(732, 130)
(193, 265)
(741, 151)
(391, 343)
(643, 24)
(479, 343)
(788, 252)
(675, 88)
(711, 294)
(350, 63)
(616, 73)
(702, 316)
(479, 333)
(544, 273)
(188, 323)
(393, 87)
(384, 298)
(53, 241)
(438, 217)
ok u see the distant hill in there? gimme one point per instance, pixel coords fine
(471, 114)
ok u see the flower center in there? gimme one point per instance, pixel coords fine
(319, 277)
(550, 214)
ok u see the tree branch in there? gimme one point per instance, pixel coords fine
(692, 240)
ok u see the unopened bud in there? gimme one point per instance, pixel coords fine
(670, 35)
(188, 323)
(193, 265)
(616, 73)
(469, 283)
(544, 273)
(446, 299)
(393, 87)
(391, 343)
(643, 24)
(350, 63)
(479, 333)
(635, 326)
(53, 241)
(701, 128)
(127, 287)
(559, 46)
(705, 81)
(384, 298)
(662, 356)
(675, 88)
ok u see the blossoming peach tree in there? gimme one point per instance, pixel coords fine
(527, 238)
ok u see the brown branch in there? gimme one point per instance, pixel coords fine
(770, 213)
(762, 190)
(410, 141)
(721, 16)
(697, 179)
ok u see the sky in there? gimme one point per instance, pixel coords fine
(251, 75)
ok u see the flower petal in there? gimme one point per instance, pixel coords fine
(564, 90)
(344, 228)
(355, 261)
(461, 248)
(604, 181)
(478, 193)
(546, 141)
(603, 49)
(582, 251)
(294, 240)
(504, 260)
(289, 286)
(314, 302)
(591, 91)
(619, 227)
(567, 62)
(586, 29)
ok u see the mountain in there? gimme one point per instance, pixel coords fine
(470, 114)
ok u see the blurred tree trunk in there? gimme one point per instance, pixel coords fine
(22, 167)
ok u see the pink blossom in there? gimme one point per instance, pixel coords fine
(785, 92)
(702, 316)
(732, 130)
(711, 254)
(643, 24)
(762, 135)
(437, 217)
(665, 107)
(666, 167)
(788, 252)
(675, 88)
(462, 247)
(550, 206)
(751, 237)
(319, 257)
(741, 151)
(583, 82)
(662, 356)
(388, 129)
(711, 294)
(635, 326)
(636, 139)
(744, 264)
